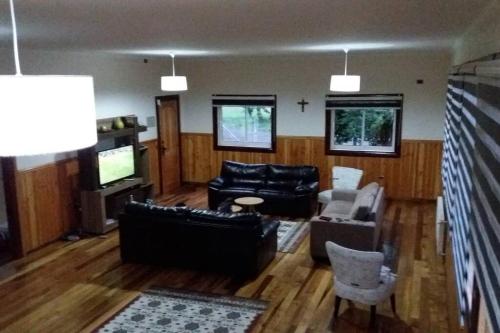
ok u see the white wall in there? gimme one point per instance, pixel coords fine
(292, 78)
(482, 38)
(122, 85)
(128, 86)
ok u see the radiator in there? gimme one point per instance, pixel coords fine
(441, 228)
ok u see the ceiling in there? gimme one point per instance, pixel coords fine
(234, 27)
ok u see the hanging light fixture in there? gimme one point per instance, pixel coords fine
(42, 114)
(173, 83)
(345, 83)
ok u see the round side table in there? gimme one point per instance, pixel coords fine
(249, 203)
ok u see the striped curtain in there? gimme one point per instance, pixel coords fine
(471, 178)
(456, 178)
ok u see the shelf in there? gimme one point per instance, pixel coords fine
(116, 133)
(120, 186)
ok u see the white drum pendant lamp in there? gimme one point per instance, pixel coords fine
(42, 114)
(173, 83)
(345, 83)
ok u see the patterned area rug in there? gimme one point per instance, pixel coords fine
(172, 310)
(291, 234)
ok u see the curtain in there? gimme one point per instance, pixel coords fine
(471, 182)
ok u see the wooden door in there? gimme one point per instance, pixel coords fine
(169, 151)
(8, 168)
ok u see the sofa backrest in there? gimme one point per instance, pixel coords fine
(227, 219)
(278, 172)
(186, 215)
(148, 210)
(232, 169)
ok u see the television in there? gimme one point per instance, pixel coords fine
(115, 164)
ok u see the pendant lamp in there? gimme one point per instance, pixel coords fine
(42, 114)
(173, 83)
(345, 83)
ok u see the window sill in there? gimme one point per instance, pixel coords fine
(340, 152)
(245, 149)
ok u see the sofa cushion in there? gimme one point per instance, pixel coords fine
(337, 207)
(247, 182)
(303, 173)
(363, 203)
(232, 170)
(237, 191)
(266, 193)
(283, 185)
(362, 206)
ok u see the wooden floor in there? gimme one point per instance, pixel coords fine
(75, 286)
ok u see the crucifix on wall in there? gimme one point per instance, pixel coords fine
(302, 103)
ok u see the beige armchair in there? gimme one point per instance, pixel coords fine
(342, 179)
(359, 276)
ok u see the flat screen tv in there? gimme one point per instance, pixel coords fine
(115, 164)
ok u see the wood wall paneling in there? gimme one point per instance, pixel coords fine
(48, 196)
(47, 199)
(415, 175)
(154, 172)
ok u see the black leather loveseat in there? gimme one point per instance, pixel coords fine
(286, 190)
(240, 243)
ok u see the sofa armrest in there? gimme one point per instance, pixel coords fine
(344, 194)
(307, 188)
(268, 227)
(218, 182)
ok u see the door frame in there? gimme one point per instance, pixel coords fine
(158, 100)
(9, 170)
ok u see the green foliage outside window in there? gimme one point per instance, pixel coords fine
(246, 124)
(366, 127)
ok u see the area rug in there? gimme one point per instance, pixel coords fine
(291, 234)
(173, 310)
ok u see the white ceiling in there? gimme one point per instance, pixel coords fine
(200, 27)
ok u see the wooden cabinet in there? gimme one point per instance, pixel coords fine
(101, 204)
(100, 208)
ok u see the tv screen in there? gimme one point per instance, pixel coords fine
(115, 164)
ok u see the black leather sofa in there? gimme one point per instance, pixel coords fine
(286, 190)
(239, 243)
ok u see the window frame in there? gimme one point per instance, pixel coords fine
(364, 100)
(219, 100)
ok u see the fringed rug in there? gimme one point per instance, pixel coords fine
(172, 310)
(291, 234)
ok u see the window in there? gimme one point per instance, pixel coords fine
(367, 125)
(244, 122)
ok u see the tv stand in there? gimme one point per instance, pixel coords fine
(101, 207)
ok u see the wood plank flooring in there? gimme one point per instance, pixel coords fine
(75, 286)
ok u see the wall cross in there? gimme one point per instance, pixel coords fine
(303, 103)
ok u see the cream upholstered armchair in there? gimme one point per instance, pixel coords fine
(342, 178)
(359, 276)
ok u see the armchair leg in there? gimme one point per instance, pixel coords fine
(336, 308)
(373, 315)
(393, 304)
